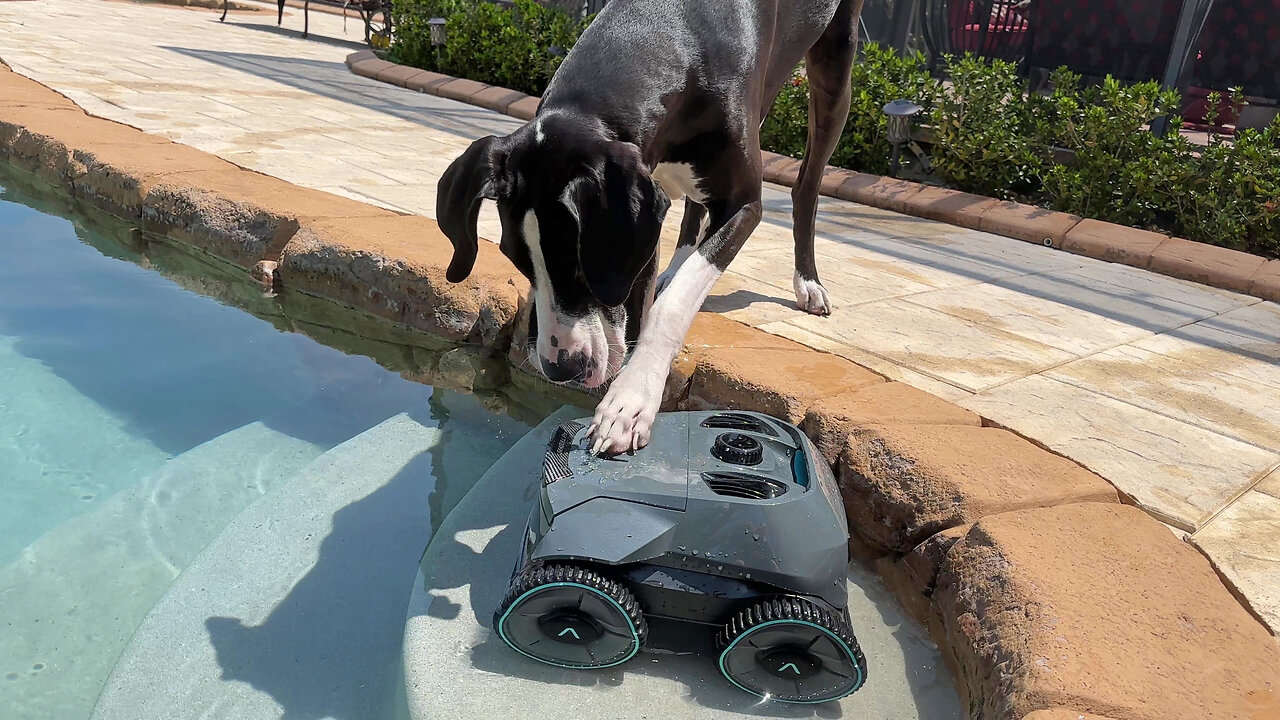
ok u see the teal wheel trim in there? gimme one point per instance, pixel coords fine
(793, 612)
(528, 585)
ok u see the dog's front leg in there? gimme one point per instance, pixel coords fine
(625, 416)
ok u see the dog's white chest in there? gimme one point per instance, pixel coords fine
(678, 180)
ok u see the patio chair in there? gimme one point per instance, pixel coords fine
(1240, 47)
(1128, 39)
(375, 14)
(988, 28)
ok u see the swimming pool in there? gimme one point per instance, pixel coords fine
(139, 420)
(209, 512)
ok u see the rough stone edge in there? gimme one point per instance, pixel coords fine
(982, 661)
(53, 152)
(784, 170)
(194, 208)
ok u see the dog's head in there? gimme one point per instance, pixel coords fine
(580, 219)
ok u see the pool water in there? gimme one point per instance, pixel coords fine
(205, 513)
(138, 421)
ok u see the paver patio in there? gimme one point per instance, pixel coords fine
(1168, 389)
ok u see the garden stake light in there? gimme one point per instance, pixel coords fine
(900, 114)
(437, 27)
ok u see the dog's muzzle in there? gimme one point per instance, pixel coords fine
(567, 366)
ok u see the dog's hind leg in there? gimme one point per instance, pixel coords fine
(828, 64)
(692, 228)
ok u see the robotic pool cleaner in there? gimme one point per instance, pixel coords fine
(725, 522)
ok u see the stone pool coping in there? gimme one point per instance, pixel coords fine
(1044, 590)
(1158, 252)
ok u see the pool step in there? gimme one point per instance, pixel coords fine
(455, 666)
(61, 453)
(263, 603)
(439, 629)
(73, 598)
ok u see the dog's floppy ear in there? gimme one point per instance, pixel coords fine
(619, 213)
(468, 180)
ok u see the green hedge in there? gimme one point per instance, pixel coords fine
(880, 76)
(991, 136)
(486, 42)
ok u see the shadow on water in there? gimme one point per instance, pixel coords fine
(331, 647)
(930, 680)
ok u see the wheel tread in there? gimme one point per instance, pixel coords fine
(536, 576)
(792, 608)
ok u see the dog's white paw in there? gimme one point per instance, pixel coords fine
(624, 418)
(811, 297)
(663, 280)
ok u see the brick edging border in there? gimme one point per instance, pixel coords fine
(1160, 253)
(953, 513)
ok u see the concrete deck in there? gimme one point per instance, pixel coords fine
(1168, 389)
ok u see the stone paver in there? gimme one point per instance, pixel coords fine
(1164, 387)
(1179, 472)
(1244, 543)
(1198, 374)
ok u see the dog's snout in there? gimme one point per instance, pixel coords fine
(567, 366)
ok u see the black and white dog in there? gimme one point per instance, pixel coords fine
(659, 99)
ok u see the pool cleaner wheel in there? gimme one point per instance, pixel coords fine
(570, 616)
(791, 650)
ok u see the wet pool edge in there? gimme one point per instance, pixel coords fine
(416, 356)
